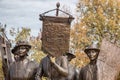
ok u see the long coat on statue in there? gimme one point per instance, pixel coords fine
(22, 70)
(89, 72)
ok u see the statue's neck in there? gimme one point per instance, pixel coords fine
(93, 62)
(22, 58)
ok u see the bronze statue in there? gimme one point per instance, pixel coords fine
(73, 74)
(22, 68)
(53, 69)
(89, 72)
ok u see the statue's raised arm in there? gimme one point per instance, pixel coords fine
(5, 52)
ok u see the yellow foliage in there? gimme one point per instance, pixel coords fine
(36, 48)
(100, 17)
(1, 71)
(80, 60)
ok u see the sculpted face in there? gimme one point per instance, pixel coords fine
(92, 54)
(22, 50)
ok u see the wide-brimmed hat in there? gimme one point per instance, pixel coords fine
(21, 43)
(70, 54)
(92, 47)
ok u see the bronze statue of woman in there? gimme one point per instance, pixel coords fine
(89, 72)
(22, 68)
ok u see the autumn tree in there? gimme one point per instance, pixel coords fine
(101, 17)
(78, 42)
(36, 48)
(23, 34)
(95, 20)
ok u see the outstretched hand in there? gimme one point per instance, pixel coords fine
(52, 59)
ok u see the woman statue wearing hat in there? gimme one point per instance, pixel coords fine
(89, 72)
(22, 68)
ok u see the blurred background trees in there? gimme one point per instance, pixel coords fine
(101, 18)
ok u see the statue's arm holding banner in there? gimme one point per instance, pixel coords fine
(63, 69)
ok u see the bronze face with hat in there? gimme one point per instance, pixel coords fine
(21, 43)
(92, 51)
(70, 55)
(92, 47)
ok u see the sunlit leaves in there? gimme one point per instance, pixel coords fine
(102, 16)
(24, 34)
(36, 48)
(1, 70)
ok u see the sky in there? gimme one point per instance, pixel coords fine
(25, 13)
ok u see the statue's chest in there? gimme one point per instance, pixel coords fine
(22, 70)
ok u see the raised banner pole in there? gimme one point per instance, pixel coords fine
(56, 32)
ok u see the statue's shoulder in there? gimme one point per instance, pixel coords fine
(84, 68)
(63, 57)
(45, 58)
(12, 64)
(33, 63)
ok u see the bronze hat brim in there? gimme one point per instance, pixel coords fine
(69, 54)
(15, 48)
(96, 49)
